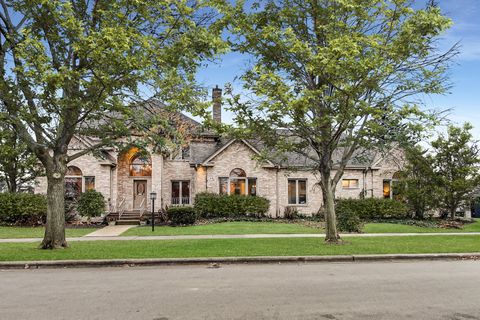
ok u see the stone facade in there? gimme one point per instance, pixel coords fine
(113, 180)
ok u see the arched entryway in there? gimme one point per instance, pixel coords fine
(73, 183)
(134, 179)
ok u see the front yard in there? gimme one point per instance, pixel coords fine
(240, 247)
(238, 228)
(37, 232)
(235, 227)
(247, 227)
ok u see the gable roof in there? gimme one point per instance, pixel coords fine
(220, 148)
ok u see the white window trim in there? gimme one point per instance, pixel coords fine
(297, 204)
(180, 192)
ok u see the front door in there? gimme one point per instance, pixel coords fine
(139, 194)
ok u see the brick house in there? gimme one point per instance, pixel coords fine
(212, 163)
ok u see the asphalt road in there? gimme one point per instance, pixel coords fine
(400, 290)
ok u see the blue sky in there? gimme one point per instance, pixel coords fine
(464, 97)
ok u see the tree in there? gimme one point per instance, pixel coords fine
(457, 164)
(420, 184)
(18, 165)
(328, 77)
(72, 68)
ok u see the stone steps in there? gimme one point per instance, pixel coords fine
(127, 222)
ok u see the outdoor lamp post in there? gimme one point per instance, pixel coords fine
(153, 196)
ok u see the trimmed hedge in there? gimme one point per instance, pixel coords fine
(22, 208)
(182, 215)
(91, 204)
(212, 205)
(372, 208)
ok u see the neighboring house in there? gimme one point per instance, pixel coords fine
(212, 163)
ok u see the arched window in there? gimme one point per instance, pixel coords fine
(73, 183)
(74, 171)
(141, 166)
(238, 183)
(237, 173)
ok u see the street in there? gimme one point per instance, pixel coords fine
(378, 290)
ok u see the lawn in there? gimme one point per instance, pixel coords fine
(243, 227)
(238, 227)
(402, 228)
(37, 232)
(239, 247)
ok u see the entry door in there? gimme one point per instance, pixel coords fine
(139, 194)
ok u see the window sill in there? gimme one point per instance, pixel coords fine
(298, 205)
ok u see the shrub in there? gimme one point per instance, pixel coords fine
(22, 208)
(212, 205)
(182, 215)
(290, 213)
(349, 221)
(372, 208)
(91, 204)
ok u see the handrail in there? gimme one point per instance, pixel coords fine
(142, 207)
(121, 208)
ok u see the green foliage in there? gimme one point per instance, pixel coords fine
(180, 216)
(349, 221)
(335, 75)
(22, 208)
(212, 205)
(419, 183)
(371, 208)
(457, 165)
(91, 204)
(78, 68)
(18, 165)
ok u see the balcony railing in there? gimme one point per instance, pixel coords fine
(180, 200)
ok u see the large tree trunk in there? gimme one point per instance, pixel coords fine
(55, 228)
(331, 234)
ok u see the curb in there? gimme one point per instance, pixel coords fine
(233, 260)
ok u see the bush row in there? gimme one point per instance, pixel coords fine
(351, 212)
(212, 205)
(22, 208)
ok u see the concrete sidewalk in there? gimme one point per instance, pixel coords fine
(109, 231)
(92, 237)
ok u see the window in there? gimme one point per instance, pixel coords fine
(89, 183)
(180, 192)
(350, 183)
(141, 166)
(297, 191)
(238, 183)
(73, 183)
(387, 189)
(391, 189)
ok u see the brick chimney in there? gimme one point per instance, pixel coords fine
(217, 104)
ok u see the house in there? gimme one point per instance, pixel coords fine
(212, 163)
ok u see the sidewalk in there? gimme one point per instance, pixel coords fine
(108, 235)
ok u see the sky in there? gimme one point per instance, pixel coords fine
(463, 99)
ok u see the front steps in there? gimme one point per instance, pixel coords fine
(129, 218)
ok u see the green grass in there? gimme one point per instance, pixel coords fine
(37, 232)
(239, 247)
(402, 228)
(240, 227)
